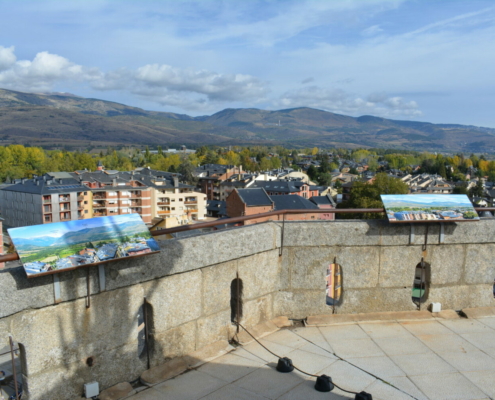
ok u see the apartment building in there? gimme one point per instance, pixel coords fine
(116, 193)
(210, 176)
(172, 201)
(63, 196)
(54, 197)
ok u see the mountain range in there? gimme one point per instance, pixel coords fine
(51, 119)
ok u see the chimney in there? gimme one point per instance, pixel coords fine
(114, 182)
(176, 181)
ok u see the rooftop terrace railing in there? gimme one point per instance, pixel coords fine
(276, 213)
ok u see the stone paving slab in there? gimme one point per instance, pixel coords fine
(430, 359)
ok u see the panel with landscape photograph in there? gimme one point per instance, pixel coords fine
(428, 207)
(50, 248)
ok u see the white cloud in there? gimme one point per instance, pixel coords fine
(216, 86)
(7, 57)
(185, 88)
(341, 102)
(372, 30)
(43, 72)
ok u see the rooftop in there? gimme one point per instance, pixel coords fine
(255, 197)
(398, 357)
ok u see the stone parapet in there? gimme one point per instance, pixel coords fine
(189, 290)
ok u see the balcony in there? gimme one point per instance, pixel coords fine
(63, 199)
(191, 202)
(135, 195)
(80, 198)
(163, 203)
(99, 197)
(163, 212)
(99, 214)
(191, 210)
(47, 201)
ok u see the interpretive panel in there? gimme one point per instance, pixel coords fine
(428, 207)
(58, 246)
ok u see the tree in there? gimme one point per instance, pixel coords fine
(186, 169)
(479, 189)
(462, 189)
(312, 172)
(367, 195)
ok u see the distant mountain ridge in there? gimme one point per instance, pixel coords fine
(48, 119)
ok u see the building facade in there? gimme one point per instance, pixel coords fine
(44, 200)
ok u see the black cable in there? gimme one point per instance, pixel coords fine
(300, 370)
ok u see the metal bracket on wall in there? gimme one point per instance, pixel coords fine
(56, 288)
(411, 234)
(442, 233)
(101, 275)
(88, 289)
(282, 236)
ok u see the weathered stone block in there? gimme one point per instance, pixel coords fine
(479, 266)
(309, 267)
(69, 332)
(66, 381)
(457, 297)
(482, 231)
(214, 328)
(332, 233)
(447, 263)
(165, 371)
(261, 274)
(175, 299)
(397, 265)
(359, 265)
(174, 342)
(300, 304)
(216, 286)
(376, 300)
(256, 311)
(20, 293)
(116, 392)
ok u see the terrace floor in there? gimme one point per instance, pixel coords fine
(433, 358)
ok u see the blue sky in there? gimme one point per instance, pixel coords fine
(425, 60)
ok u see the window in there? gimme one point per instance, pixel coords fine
(48, 218)
(47, 208)
(85, 193)
(180, 199)
(85, 211)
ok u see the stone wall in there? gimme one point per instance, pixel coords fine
(188, 287)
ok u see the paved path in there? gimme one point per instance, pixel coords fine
(433, 359)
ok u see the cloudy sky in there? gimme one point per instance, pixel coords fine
(427, 60)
